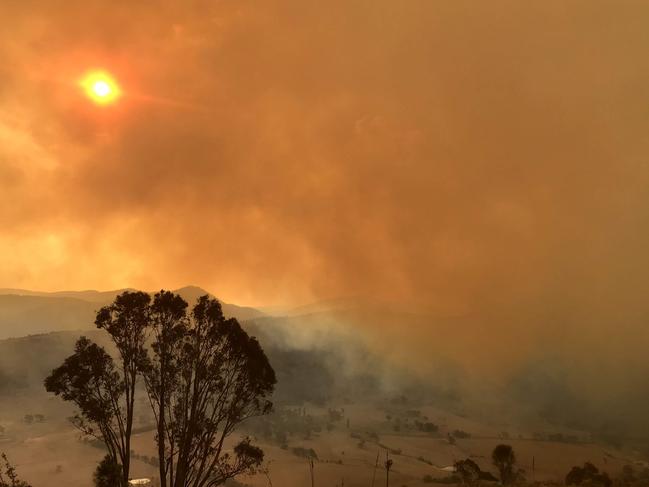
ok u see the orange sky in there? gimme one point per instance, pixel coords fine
(464, 156)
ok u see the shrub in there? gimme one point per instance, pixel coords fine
(504, 459)
(8, 475)
(108, 473)
(590, 474)
(426, 427)
(304, 452)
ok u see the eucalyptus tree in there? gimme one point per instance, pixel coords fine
(103, 388)
(206, 377)
(504, 459)
(89, 379)
(127, 321)
(203, 374)
(169, 325)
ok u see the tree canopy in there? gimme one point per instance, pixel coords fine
(203, 375)
(504, 459)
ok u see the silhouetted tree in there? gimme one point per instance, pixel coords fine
(590, 474)
(89, 379)
(504, 459)
(8, 475)
(169, 324)
(468, 471)
(211, 376)
(126, 321)
(575, 476)
(204, 377)
(108, 473)
(388, 466)
(470, 474)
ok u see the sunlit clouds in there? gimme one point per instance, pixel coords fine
(461, 157)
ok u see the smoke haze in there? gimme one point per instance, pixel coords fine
(481, 163)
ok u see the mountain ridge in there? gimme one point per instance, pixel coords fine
(24, 312)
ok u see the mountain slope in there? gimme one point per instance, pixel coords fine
(24, 312)
(28, 315)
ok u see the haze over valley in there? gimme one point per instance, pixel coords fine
(340, 394)
(349, 243)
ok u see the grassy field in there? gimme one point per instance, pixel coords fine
(51, 452)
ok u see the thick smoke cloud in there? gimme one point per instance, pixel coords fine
(485, 162)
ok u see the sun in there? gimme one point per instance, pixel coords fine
(101, 87)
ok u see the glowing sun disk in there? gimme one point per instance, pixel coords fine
(101, 87)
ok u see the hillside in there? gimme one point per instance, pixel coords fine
(344, 426)
(324, 361)
(24, 312)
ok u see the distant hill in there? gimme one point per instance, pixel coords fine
(26, 361)
(89, 295)
(28, 315)
(242, 313)
(316, 356)
(332, 350)
(24, 312)
(304, 374)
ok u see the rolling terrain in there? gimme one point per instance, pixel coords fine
(339, 398)
(24, 312)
